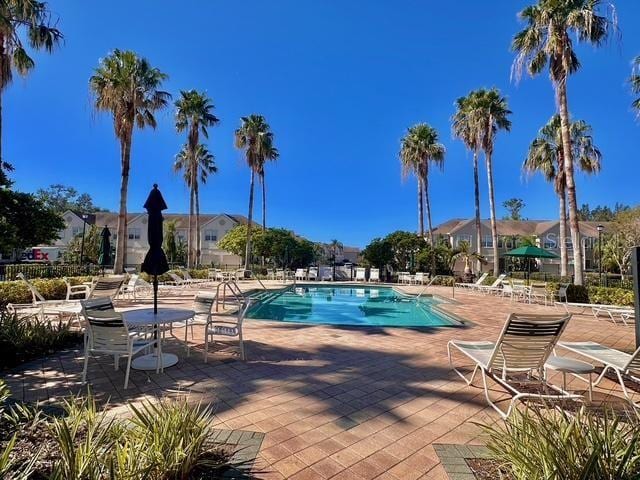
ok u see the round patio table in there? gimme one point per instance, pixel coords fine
(145, 317)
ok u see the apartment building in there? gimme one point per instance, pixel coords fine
(545, 233)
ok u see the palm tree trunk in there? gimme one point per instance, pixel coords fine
(563, 108)
(264, 203)
(476, 193)
(420, 208)
(429, 224)
(121, 243)
(198, 236)
(247, 256)
(492, 210)
(190, 249)
(563, 233)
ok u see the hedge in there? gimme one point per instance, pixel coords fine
(51, 289)
(597, 295)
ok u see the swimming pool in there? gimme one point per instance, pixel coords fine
(349, 305)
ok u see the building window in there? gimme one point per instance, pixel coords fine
(210, 235)
(487, 241)
(75, 231)
(61, 234)
(463, 238)
(134, 233)
(182, 236)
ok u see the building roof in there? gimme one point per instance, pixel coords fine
(181, 219)
(515, 227)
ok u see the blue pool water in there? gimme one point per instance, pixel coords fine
(348, 305)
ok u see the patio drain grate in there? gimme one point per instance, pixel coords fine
(454, 459)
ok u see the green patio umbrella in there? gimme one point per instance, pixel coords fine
(530, 251)
(104, 255)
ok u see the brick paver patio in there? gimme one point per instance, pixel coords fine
(333, 402)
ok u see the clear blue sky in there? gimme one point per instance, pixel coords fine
(339, 82)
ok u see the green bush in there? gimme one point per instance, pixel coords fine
(611, 296)
(445, 281)
(169, 440)
(556, 445)
(22, 339)
(51, 289)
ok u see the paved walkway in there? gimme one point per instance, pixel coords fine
(334, 402)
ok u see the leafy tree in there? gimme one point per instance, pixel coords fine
(92, 240)
(546, 156)
(194, 115)
(514, 206)
(405, 247)
(489, 113)
(128, 87)
(196, 166)
(169, 244)
(546, 42)
(601, 213)
(255, 138)
(22, 20)
(378, 253)
(466, 128)
(420, 147)
(440, 255)
(25, 221)
(61, 198)
(623, 235)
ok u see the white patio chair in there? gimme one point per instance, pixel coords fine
(360, 275)
(313, 273)
(271, 274)
(421, 278)
(477, 283)
(622, 363)
(135, 286)
(374, 275)
(538, 291)
(203, 303)
(107, 333)
(523, 346)
(227, 326)
(301, 274)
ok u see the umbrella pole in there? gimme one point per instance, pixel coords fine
(155, 294)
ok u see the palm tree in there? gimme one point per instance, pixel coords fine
(194, 114)
(465, 253)
(635, 84)
(270, 153)
(335, 247)
(196, 165)
(419, 147)
(545, 41)
(128, 87)
(465, 129)
(546, 156)
(489, 112)
(19, 20)
(256, 139)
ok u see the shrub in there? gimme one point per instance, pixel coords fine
(555, 445)
(611, 296)
(51, 289)
(22, 339)
(445, 281)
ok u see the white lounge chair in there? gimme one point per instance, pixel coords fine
(188, 278)
(496, 286)
(404, 277)
(523, 347)
(227, 326)
(176, 281)
(623, 364)
(134, 287)
(326, 274)
(107, 332)
(624, 313)
(374, 275)
(360, 275)
(477, 283)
